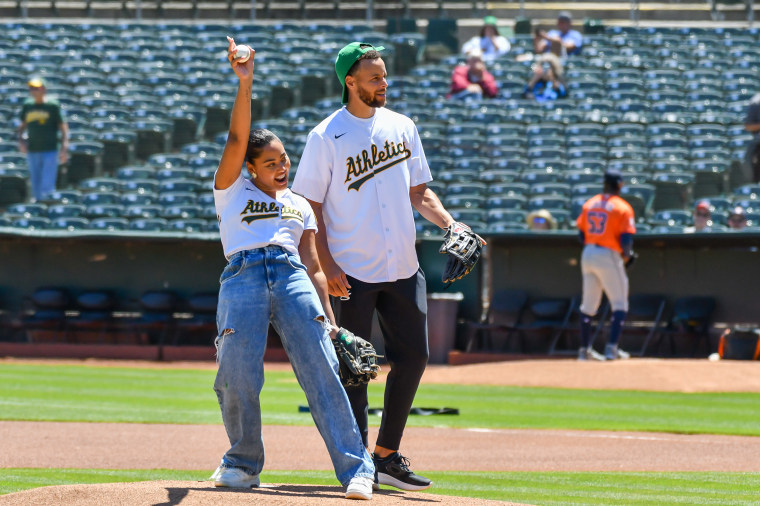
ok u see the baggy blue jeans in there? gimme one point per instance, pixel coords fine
(43, 172)
(267, 285)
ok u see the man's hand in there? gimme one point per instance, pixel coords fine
(337, 283)
(22, 146)
(63, 155)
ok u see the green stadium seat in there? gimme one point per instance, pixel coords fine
(27, 210)
(31, 223)
(110, 224)
(65, 211)
(119, 148)
(189, 225)
(673, 190)
(153, 136)
(101, 184)
(139, 198)
(67, 196)
(186, 211)
(68, 223)
(104, 211)
(148, 224)
(670, 217)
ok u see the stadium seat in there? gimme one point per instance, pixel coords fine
(68, 223)
(13, 189)
(110, 224)
(189, 225)
(153, 136)
(100, 197)
(148, 224)
(547, 202)
(672, 217)
(104, 211)
(47, 312)
(673, 190)
(506, 202)
(691, 319)
(144, 211)
(177, 198)
(497, 176)
(95, 316)
(200, 327)
(156, 319)
(27, 210)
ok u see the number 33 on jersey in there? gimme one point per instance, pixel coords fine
(604, 218)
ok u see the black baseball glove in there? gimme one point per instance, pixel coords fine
(631, 260)
(463, 247)
(357, 359)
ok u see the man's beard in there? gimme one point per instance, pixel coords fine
(371, 101)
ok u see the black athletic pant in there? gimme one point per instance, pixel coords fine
(402, 310)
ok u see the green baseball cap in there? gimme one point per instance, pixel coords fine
(490, 20)
(346, 58)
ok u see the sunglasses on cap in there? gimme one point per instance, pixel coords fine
(539, 219)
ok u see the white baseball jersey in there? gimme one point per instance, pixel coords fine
(361, 170)
(250, 219)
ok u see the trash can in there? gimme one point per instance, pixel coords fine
(442, 321)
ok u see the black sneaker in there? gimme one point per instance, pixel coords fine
(394, 470)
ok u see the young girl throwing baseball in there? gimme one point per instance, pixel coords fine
(273, 276)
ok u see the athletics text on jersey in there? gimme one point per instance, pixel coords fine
(361, 171)
(249, 218)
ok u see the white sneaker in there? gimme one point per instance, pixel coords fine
(612, 352)
(359, 488)
(585, 354)
(234, 477)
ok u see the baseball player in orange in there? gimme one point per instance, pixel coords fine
(606, 226)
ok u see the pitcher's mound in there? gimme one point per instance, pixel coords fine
(202, 493)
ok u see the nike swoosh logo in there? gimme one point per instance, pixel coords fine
(341, 135)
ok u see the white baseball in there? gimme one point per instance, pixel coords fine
(242, 54)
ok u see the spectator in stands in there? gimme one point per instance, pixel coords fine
(737, 219)
(752, 125)
(702, 217)
(547, 82)
(488, 41)
(42, 118)
(541, 220)
(473, 80)
(562, 41)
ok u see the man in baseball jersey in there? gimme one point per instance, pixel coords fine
(363, 170)
(606, 226)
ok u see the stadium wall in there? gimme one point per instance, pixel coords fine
(725, 266)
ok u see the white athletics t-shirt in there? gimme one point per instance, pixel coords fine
(249, 218)
(361, 171)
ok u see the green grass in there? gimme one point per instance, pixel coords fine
(119, 394)
(526, 487)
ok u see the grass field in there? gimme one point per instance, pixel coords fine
(532, 488)
(120, 394)
(100, 394)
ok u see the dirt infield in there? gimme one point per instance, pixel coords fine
(166, 493)
(140, 446)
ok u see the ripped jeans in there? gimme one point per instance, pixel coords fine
(267, 285)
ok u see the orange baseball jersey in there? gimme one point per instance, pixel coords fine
(604, 219)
